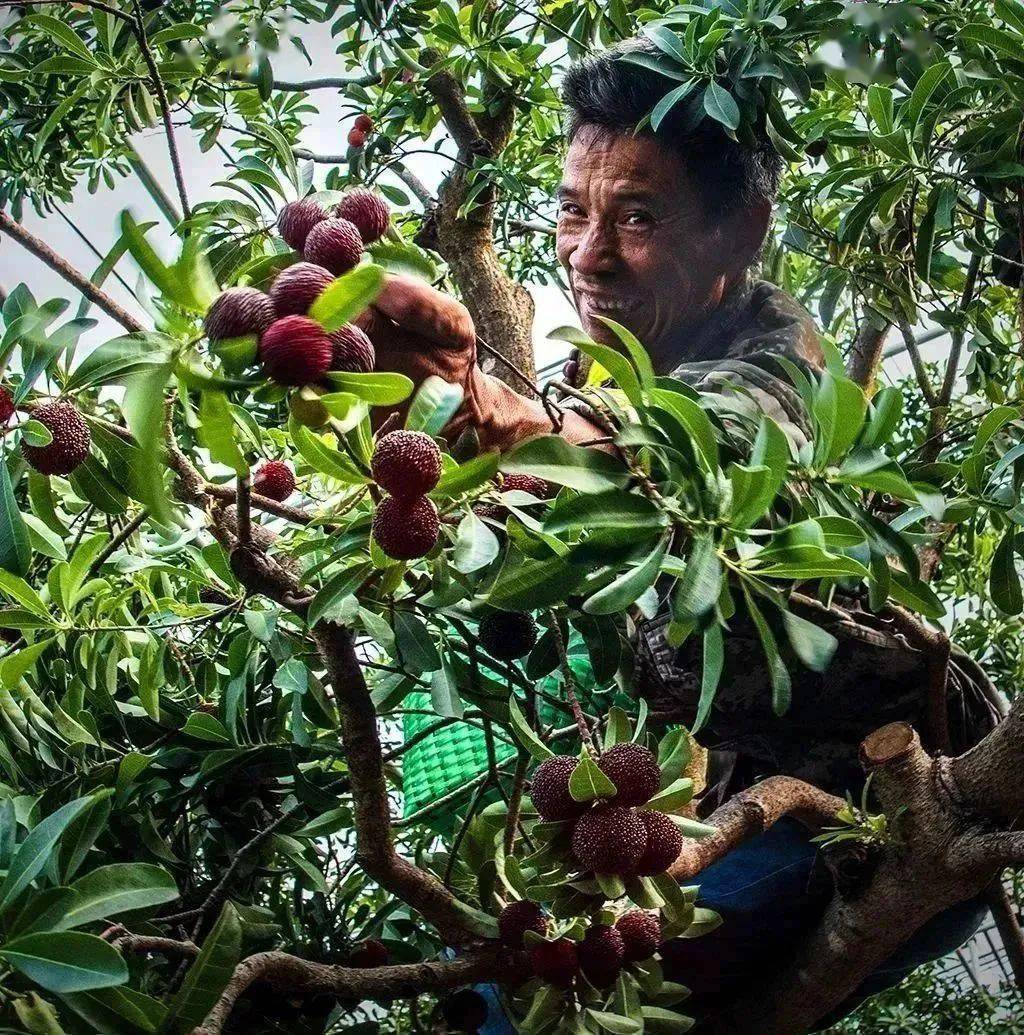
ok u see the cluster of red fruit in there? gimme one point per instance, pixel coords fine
(294, 349)
(599, 956)
(613, 836)
(406, 464)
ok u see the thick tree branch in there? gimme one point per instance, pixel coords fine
(46, 254)
(340, 82)
(360, 738)
(752, 812)
(292, 974)
(866, 354)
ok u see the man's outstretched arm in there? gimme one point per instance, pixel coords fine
(420, 331)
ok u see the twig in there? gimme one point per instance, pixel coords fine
(165, 108)
(243, 515)
(305, 85)
(920, 373)
(570, 681)
(46, 254)
(122, 537)
(491, 350)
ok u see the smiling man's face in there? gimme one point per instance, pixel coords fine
(638, 246)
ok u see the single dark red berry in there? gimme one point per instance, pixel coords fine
(406, 463)
(369, 953)
(507, 635)
(664, 843)
(334, 244)
(601, 954)
(406, 529)
(609, 839)
(351, 350)
(274, 479)
(634, 771)
(367, 210)
(356, 137)
(517, 918)
(464, 1010)
(570, 371)
(237, 312)
(364, 122)
(549, 791)
(297, 218)
(298, 287)
(69, 446)
(6, 405)
(295, 350)
(555, 962)
(641, 934)
(525, 483)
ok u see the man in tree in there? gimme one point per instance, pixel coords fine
(659, 231)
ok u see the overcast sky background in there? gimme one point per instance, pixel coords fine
(96, 215)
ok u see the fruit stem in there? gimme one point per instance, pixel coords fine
(570, 684)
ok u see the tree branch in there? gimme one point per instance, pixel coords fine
(867, 354)
(752, 812)
(290, 973)
(46, 254)
(305, 85)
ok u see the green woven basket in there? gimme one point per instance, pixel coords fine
(449, 759)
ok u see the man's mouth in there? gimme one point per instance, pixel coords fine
(610, 306)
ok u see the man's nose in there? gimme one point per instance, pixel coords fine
(596, 252)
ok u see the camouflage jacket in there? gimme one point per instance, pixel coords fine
(875, 677)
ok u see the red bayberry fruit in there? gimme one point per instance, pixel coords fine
(507, 635)
(239, 311)
(609, 839)
(6, 405)
(641, 934)
(664, 843)
(549, 791)
(555, 962)
(634, 771)
(334, 244)
(369, 953)
(368, 211)
(364, 122)
(297, 218)
(356, 137)
(298, 287)
(406, 529)
(352, 350)
(274, 479)
(601, 954)
(69, 446)
(517, 918)
(406, 463)
(295, 350)
(464, 1010)
(525, 483)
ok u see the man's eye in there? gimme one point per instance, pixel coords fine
(569, 209)
(637, 218)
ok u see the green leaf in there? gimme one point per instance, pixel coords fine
(1006, 44)
(880, 107)
(533, 583)
(143, 410)
(444, 692)
(347, 297)
(814, 646)
(1004, 580)
(932, 77)
(617, 365)
(701, 582)
(340, 585)
(93, 483)
(782, 686)
(66, 961)
(696, 422)
(674, 753)
(166, 278)
(414, 643)
(465, 477)
(116, 1011)
(34, 851)
(475, 545)
(669, 101)
(721, 105)
(524, 734)
(56, 117)
(36, 434)
(207, 977)
(555, 460)
(435, 403)
(613, 509)
(658, 1021)
(587, 782)
(378, 389)
(118, 888)
(206, 727)
(627, 587)
(405, 257)
(324, 458)
(217, 432)
(675, 796)
(713, 661)
(15, 552)
(614, 1023)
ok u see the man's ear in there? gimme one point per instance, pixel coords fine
(749, 229)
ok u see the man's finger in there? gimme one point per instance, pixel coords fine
(421, 309)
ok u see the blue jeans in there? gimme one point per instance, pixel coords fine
(768, 904)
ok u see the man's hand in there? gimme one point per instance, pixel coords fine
(419, 331)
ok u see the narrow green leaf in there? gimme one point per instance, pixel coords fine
(66, 961)
(15, 552)
(1004, 579)
(588, 782)
(713, 660)
(347, 297)
(524, 734)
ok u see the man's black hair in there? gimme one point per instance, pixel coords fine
(603, 90)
